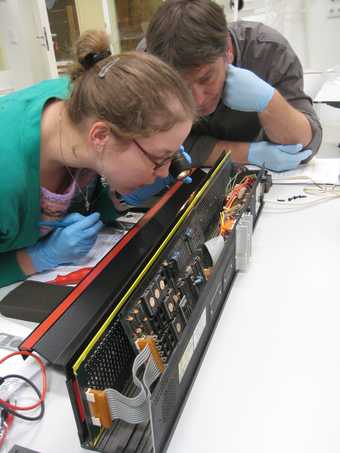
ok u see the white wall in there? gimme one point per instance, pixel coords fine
(307, 25)
(113, 27)
(11, 35)
(323, 32)
(26, 43)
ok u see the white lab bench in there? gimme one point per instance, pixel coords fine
(270, 379)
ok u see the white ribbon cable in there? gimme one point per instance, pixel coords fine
(135, 409)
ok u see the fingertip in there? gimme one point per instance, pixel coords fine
(306, 153)
(94, 215)
(94, 231)
(187, 157)
(99, 224)
(291, 149)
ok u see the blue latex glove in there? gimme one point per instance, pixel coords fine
(187, 179)
(245, 91)
(277, 157)
(144, 193)
(66, 245)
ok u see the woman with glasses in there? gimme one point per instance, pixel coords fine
(121, 117)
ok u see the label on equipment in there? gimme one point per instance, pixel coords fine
(191, 346)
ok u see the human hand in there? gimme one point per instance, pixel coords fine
(66, 245)
(245, 91)
(277, 157)
(144, 193)
(187, 179)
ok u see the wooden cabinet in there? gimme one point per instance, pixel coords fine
(133, 17)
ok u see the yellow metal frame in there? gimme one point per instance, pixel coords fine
(162, 246)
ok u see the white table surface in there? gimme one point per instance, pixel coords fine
(270, 381)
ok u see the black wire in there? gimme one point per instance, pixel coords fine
(37, 391)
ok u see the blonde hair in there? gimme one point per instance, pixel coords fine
(138, 94)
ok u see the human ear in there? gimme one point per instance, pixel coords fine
(230, 50)
(99, 135)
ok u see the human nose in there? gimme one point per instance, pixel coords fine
(198, 94)
(163, 171)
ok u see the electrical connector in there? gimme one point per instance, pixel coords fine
(99, 408)
(149, 341)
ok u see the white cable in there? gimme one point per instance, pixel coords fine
(325, 193)
(290, 205)
(324, 190)
(297, 178)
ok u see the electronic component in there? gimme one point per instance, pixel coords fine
(135, 357)
(151, 342)
(244, 232)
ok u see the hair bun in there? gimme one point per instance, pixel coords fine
(92, 58)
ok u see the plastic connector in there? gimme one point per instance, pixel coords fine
(96, 421)
(149, 341)
(99, 408)
(90, 396)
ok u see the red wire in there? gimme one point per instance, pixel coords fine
(44, 383)
(7, 424)
(234, 193)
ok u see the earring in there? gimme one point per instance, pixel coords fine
(104, 181)
(99, 148)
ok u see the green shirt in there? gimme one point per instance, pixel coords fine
(20, 117)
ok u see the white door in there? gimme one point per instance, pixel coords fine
(27, 42)
(42, 51)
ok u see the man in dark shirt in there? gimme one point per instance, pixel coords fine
(247, 83)
(246, 80)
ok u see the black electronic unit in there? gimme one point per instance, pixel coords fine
(132, 335)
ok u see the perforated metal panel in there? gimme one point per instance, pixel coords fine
(109, 363)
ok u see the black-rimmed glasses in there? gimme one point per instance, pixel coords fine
(157, 163)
